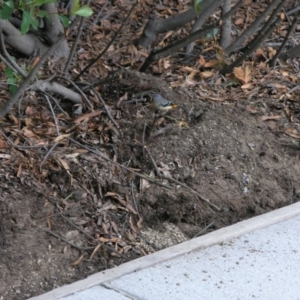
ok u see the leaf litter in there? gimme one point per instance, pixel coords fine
(106, 198)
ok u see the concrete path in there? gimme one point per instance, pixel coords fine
(255, 259)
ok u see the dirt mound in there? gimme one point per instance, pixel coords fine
(92, 214)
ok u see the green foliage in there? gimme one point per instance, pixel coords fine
(83, 11)
(196, 5)
(31, 12)
(13, 79)
(7, 9)
(64, 20)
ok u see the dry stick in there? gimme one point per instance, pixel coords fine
(105, 107)
(204, 229)
(56, 102)
(82, 21)
(278, 52)
(100, 13)
(133, 200)
(78, 89)
(192, 191)
(66, 241)
(97, 82)
(253, 45)
(144, 133)
(180, 183)
(170, 49)
(10, 62)
(53, 115)
(251, 29)
(108, 45)
(9, 104)
(48, 153)
(20, 147)
(153, 162)
(92, 238)
(121, 166)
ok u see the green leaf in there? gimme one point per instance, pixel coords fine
(64, 20)
(75, 7)
(197, 6)
(83, 11)
(12, 89)
(8, 72)
(7, 10)
(11, 80)
(25, 22)
(34, 22)
(42, 14)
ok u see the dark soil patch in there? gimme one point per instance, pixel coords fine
(241, 164)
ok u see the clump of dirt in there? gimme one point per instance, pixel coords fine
(223, 162)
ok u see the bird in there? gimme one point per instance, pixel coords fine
(161, 103)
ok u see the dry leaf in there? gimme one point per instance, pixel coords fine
(77, 262)
(207, 74)
(61, 137)
(85, 116)
(252, 109)
(95, 250)
(292, 132)
(266, 118)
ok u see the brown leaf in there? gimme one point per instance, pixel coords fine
(292, 132)
(77, 261)
(61, 137)
(266, 118)
(49, 222)
(85, 116)
(133, 223)
(95, 250)
(201, 60)
(252, 109)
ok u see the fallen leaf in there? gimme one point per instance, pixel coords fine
(266, 118)
(292, 132)
(77, 261)
(252, 109)
(61, 137)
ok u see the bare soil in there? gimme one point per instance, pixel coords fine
(225, 152)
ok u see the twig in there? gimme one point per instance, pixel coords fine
(108, 45)
(82, 21)
(100, 13)
(53, 114)
(170, 49)
(9, 104)
(121, 166)
(94, 239)
(20, 147)
(66, 241)
(78, 89)
(105, 107)
(178, 182)
(153, 161)
(204, 229)
(292, 26)
(133, 200)
(192, 191)
(10, 62)
(56, 102)
(48, 153)
(144, 133)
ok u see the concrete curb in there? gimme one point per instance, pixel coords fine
(218, 236)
